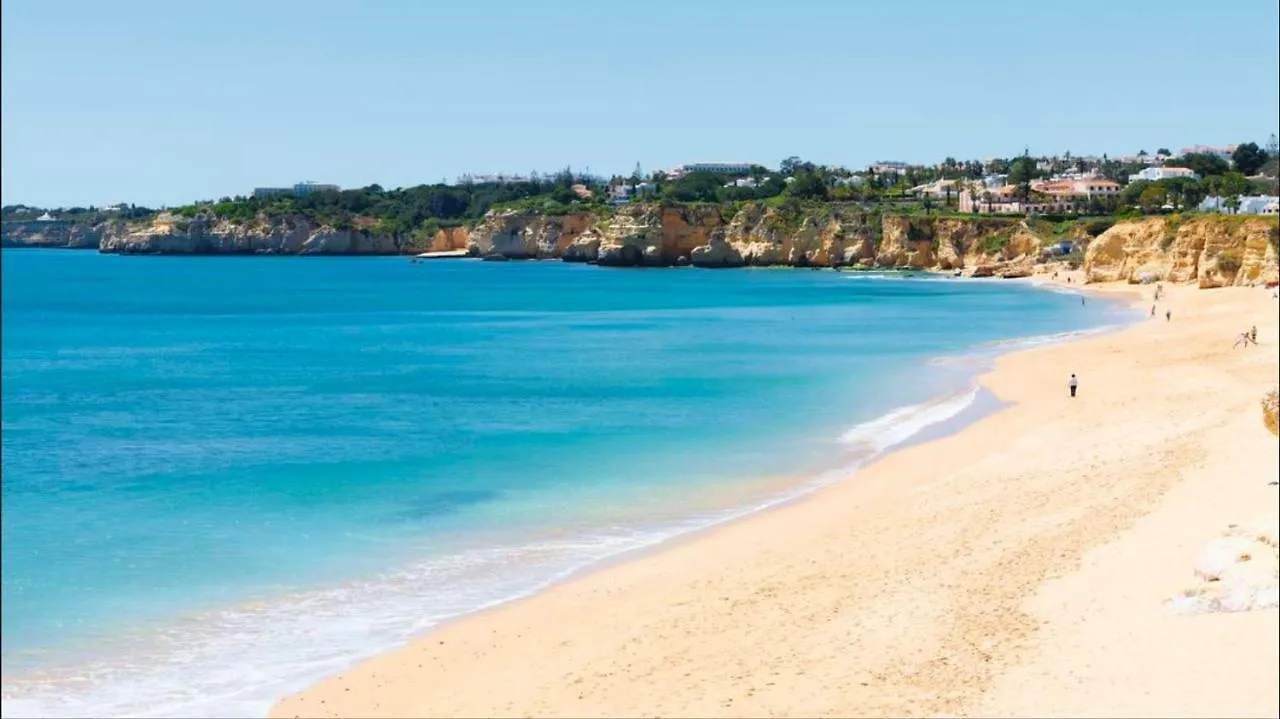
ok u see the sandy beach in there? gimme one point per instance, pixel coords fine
(1018, 567)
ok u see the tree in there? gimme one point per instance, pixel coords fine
(694, 187)
(1132, 192)
(1232, 204)
(1164, 151)
(1152, 198)
(1248, 158)
(1201, 163)
(789, 166)
(1142, 153)
(1231, 184)
(808, 185)
(1184, 192)
(1021, 172)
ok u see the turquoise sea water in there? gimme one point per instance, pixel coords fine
(224, 477)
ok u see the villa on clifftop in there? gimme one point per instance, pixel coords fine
(715, 168)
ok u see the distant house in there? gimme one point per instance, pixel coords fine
(262, 193)
(1078, 188)
(1152, 174)
(889, 167)
(1216, 151)
(1056, 197)
(1249, 205)
(938, 188)
(582, 191)
(46, 217)
(621, 194)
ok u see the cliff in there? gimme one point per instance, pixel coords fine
(759, 234)
(287, 235)
(1213, 251)
(56, 233)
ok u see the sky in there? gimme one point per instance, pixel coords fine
(164, 102)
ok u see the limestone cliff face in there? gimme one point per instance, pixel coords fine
(1212, 251)
(53, 234)
(449, 239)
(514, 235)
(984, 245)
(289, 235)
(761, 235)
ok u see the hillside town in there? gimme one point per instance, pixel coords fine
(1229, 179)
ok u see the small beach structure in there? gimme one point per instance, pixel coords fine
(443, 255)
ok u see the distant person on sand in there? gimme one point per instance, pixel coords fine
(1253, 334)
(1168, 315)
(1073, 383)
(1153, 310)
(1241, 339)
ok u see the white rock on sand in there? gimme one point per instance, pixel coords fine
(1239, 572)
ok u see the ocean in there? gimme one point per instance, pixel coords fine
(226, 477)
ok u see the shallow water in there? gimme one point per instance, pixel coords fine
(224, 477)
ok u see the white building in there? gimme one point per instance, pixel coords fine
(1249, 205)
(938, 188)
(889, 167)
(621, 194)
(46, 217)
(1152, 174)
(302, 189)
(715, 168)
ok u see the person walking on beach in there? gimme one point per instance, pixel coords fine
(1168, 315)
(1253, 334)
(1072, 384)
(1153, 310)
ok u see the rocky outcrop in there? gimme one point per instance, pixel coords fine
(55, 233)
(1271, 411)
(1212, 251)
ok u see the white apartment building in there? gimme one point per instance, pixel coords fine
(716, 168)
(1152, 174)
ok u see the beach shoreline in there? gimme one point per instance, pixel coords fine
(565, 630)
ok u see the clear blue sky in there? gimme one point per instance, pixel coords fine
(170, 101)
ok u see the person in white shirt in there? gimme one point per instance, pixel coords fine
(1073, 383)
